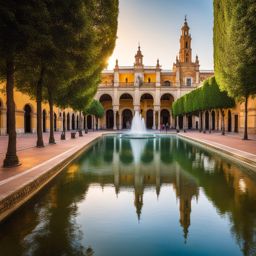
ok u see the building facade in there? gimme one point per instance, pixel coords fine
(148, 89)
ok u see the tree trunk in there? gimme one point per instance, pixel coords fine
(222, 122)
(50, 101)
(246, 118)
(39, 88)
(11, 158)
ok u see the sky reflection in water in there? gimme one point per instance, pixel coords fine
(139, 197)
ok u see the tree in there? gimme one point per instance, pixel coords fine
(204, 98)
(15, 29)
(235, 49)
(96, 109)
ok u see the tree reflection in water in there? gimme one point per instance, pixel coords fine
(49, 224)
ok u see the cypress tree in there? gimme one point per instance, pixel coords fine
(235, 49)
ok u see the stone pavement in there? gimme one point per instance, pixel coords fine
(30, 156)
(230, 144)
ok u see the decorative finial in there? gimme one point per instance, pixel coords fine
(157, 62)
(139, 45)
(186, 18)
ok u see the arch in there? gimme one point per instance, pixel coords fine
(77, 122)
(126, 96)
(27, 118)
(125, 101)
(54, 121)
(89, 122)
(213, 120)
(146, 96)
(127, 118)
(44, 120)
(167, 96)
(165, 117)
(149, 119)
(229, 121)
(64, 121)
(68, 122)
(105, 97)
(109, 119)
(166, 100)
(73, 122)
(206, 120)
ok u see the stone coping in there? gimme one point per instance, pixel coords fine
(239, 156)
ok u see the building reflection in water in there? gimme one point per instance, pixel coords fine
(140, 166)
(152, 163)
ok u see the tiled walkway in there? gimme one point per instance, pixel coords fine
(30, 156)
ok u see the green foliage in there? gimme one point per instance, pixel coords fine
(95, 108)
(234, 46)
(206, 97)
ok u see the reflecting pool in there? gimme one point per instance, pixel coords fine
(139, 197)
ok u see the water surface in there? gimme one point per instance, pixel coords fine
(139, 197)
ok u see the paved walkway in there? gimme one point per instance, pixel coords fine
(231, 144)
(31, 156)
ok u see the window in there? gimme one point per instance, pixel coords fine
(186, 45)
(149, 80)
(189, 81)
(167, 83)
(126, 80)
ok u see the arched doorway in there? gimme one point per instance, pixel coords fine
(77, 122)
(213, 120)
(165, 117)
(55, 122)
(68, 122)
(206, 120)
(126, 101)
(64, 121)
(149, 119)
(89, 122)
(229, 121)
(44, 120)
(146, 104)
(109, 119)
(127, 119)
(73, 122)
(27, 119)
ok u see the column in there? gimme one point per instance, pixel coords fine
(203, 121)
(210, 121)
(185, 123)
(177, 123)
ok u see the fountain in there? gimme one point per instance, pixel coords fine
(138, 129)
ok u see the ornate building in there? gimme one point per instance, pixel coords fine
(148, 89)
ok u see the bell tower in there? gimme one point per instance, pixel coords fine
(138, 59)
(185, 55)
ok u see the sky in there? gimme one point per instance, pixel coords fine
(156, 25)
